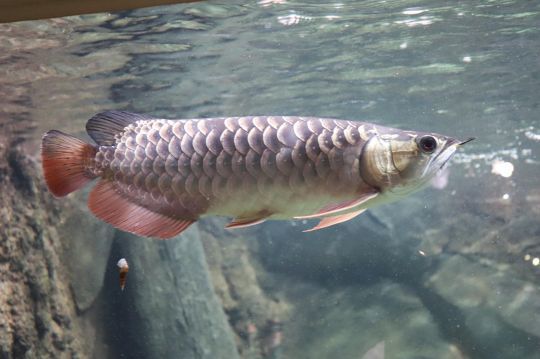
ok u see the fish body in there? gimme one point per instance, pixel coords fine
(158, 176)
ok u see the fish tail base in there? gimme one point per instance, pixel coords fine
(65, 162)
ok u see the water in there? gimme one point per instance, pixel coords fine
(449, 273)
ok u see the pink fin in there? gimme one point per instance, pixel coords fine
(109, 205)
(330, 221)
(242, 222)
(340, 207)
(64, 158)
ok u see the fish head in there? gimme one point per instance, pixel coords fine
(402, 162)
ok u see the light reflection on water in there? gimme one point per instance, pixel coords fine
(467, 69)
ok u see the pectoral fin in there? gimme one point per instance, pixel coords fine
(330, 221)
(341, 207)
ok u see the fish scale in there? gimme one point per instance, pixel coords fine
(209, 160)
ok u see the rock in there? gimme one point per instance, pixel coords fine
(346, 322)
(497, 305)
(38, 315)
(87, 243)
(168, 301)
(237, 275)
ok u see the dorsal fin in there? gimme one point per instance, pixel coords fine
(104, 126)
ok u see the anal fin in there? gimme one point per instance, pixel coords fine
(341, 207)
(330, 221)
(114, 208)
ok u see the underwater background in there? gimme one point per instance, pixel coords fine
(450, 272)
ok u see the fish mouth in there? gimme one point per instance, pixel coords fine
(447, 152)
(453, 143)
(450, 149)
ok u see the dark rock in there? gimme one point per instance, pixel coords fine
(21, 175)
(41, 325)
(168, 308)
(86, 246)
(236, 274)
(20, 346)
(61, 319)
(58, 342)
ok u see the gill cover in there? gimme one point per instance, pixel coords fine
(375, 163)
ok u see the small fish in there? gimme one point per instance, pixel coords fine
(159, 176)
(123, 269)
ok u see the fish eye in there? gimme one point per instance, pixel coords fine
(427, 144)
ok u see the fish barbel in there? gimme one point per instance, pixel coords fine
(159, 176)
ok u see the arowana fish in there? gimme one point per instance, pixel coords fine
(159, 176)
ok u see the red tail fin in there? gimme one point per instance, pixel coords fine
(64, 160)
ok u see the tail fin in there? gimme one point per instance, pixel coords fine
(65, 160)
